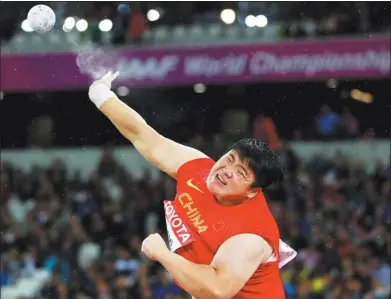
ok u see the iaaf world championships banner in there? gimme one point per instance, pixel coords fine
(349, 58)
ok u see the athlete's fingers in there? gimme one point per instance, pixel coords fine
(114, 76)
(105, 77)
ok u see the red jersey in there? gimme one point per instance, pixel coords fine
(197, 225)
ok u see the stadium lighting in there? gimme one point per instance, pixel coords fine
(332, 83)
(228, 16)
(153, 15)
(26, 26)
(250, 21)
(360, 96)
(123, 91)
(81, 25)
(199, 88)
(105, 25)
(260, 21)
(65, 29)
(69, 23)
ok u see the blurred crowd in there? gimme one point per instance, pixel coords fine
(328, 124)
(299, 19)
(88, 232)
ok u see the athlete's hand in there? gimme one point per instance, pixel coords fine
(154, 247)
(106, 79)
(99, 91)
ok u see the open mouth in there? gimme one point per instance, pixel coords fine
(221, 180)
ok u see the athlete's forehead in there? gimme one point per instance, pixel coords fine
(234, 156)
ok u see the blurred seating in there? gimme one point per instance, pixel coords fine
(81, 235)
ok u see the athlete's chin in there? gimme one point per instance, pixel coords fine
(215, 188)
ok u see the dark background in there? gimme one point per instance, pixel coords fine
(186, 113)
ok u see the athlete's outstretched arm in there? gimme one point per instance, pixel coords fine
(234, 263)
(162, 152)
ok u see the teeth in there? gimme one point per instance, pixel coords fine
(220, 179)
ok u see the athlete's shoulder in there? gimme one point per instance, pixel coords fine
(266, 225)
(197, 167)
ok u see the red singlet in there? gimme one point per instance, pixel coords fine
(197, 225)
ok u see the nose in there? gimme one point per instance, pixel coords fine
(227, 173)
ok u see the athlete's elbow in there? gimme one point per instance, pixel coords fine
(221, 295)
(216, 292)
(210, 294)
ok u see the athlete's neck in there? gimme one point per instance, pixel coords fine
(230, 202)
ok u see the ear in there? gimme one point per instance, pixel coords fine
(253, 192)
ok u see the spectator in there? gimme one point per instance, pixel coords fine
(350, 123)
(264, 129)
(381, 276)
(137, 26)
(328, 122)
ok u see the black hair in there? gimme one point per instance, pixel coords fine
(262, 160)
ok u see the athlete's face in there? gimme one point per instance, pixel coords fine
(230, 179)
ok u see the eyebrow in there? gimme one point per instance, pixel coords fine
(244, 169)
(241, 166)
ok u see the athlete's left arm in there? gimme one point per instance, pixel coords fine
(233, 265)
